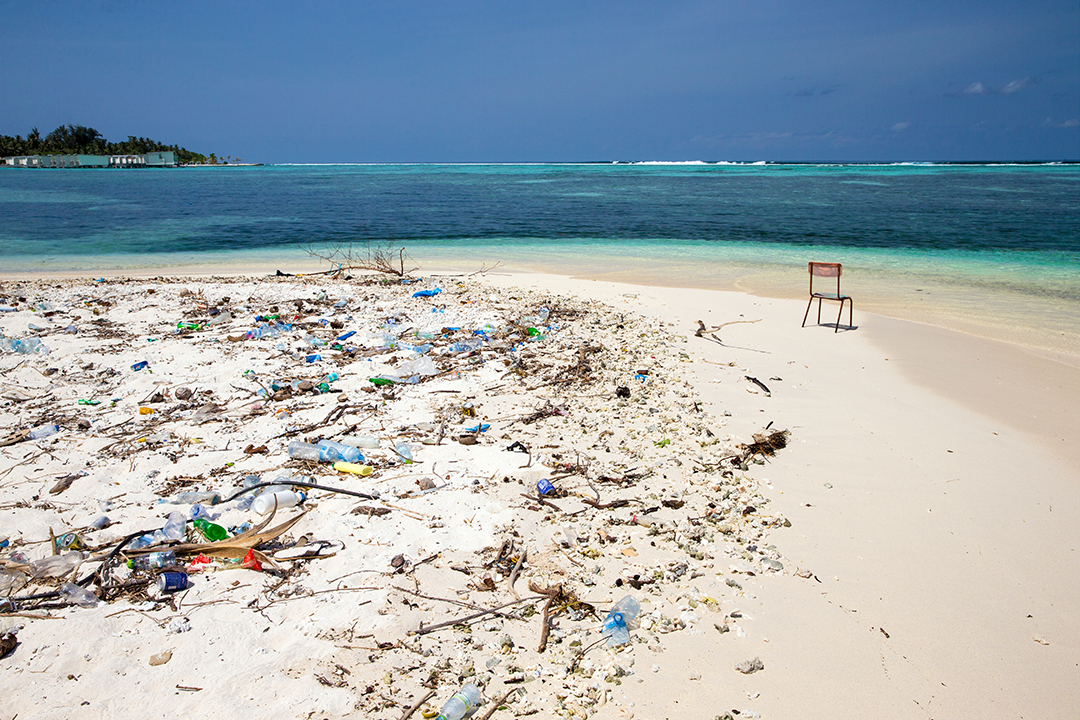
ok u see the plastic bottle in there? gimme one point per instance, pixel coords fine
(57, 565)
(621, 614)
(303, 451)
(78, 595)
(211, 498)
(43, 431)
(174, 527)
(192, 497)
(143, 541)
(458, 706)
(360, 441)
(265, 503)
(466, 345)
(155, 560)
(209, 530)
(330, 451)
(198, 511)
(403, 450)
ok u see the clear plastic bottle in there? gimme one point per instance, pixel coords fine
(78, 595)
(154, 560)
(463, 701)
(199, 512)
(621, 614)
(57, 565)
(174, 527)
(190, 498)
(265, 503)
(330, 451)
(143, 541)
(403, 450)
(43, 431)
(303, 451)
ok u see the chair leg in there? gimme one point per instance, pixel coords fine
(819, 311)
(807, 313)
(838, 316)
(850, 310)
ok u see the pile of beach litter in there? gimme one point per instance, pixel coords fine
(518, 463)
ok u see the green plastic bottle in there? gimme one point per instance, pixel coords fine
(209, 530)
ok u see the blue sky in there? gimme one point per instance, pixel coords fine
(508, 81)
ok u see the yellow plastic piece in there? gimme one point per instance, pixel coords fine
(353, 468)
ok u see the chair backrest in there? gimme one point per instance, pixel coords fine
(819, 269)
(825, 270)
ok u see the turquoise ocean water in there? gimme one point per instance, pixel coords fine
(1007, 231)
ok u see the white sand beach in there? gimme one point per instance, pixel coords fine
(910, 553)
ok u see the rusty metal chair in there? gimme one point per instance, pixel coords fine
(827, 270)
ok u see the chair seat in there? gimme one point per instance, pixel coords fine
(830, 296)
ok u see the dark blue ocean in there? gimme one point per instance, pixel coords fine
(1014, 225)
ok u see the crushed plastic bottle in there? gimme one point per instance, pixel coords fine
(143, 541)
(459, 706)
(29, 346)
(621, 614)
(199, 512)
(174, 527)
(57, 565)
(78, 595)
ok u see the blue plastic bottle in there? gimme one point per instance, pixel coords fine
(331, 451)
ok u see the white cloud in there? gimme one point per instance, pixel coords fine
(975, 89)
(1015, 86)
(1066, 124)
(901, 126)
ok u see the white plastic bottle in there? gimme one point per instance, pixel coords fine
(459, 705)
(360, 441)
(265, 503)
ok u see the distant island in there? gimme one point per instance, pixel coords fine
(80, 140)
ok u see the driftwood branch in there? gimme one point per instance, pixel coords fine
(409, 713)
(439, 626)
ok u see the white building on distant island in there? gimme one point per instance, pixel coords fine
(145, 160)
